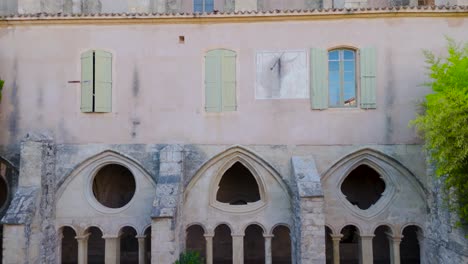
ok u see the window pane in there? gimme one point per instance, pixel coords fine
(333, 55)
(349, 66)
(349, 94)
(334, 76)
(349, 76)
(334, 93)
(198, 6)
(333, 65)
(209, 5)
(348, 55)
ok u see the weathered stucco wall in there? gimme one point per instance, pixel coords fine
(158, 93)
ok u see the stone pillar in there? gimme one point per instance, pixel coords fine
(238, 248)
(422, 246)
(209, 248)
(367, 256)
(112, 250)
(59, 248)
(312, 230)
(394, 242)
(268, 254)
(163, 244)
(141, 249)
(336, 248)
(83, 248)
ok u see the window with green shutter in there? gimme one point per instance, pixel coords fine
(334, 78)
(220, 81)
(96, 82)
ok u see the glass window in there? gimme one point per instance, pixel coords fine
(200, 6)
(342, 78)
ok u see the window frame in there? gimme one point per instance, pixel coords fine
(341, 73)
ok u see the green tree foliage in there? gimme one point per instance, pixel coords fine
(190, 257)
(1, 88)
(444, 123)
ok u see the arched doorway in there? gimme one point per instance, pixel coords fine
(281, 245)
(254, 245)
(69, 246)
(96, 246)
(222, 245)
(128, 246)
(381, 245)
(195, 240)
(409, 247)
(350, 252)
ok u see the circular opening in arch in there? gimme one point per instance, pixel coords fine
(114, 186)
(3, 192)
(363, 187)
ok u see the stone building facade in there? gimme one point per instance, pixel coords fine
(133, 131)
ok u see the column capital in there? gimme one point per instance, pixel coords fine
(237, 235)
(336, 237)
(140, 237)
(83, 237)
(394, 238)
(110, 236)
(209, 235)
(367, 237)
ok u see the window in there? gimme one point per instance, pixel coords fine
(96, 82)
(334, 78)
(200, 6)
(342, 78)
(220, 81)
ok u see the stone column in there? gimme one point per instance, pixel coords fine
(238, 248)
(112, 250)
(59, 248)
(141, 249)
(336, 248)
(394, 242)
(367, 256)
(83, 248)
(209, 248)
(268, 254)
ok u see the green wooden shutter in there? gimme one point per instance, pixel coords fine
(213, 81)
(228, 79)
(368, 78)
(103, 82)
(87, 96)
(319, 82)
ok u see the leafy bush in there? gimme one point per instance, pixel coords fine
(189, 257)
(444, 123)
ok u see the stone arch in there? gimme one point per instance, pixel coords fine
(281, 247)
(100, 159)
(276, 225)
(197, 224)
(126, 225)
(410, 246)
(128, 244)
(391, 228)
(419, 226)
(265, 230)
(233, 152)
(376, 157)
(222, 244)
(390, 171)
(359, 228)
(349, 244)
(68, 252)
(96, 244)
(381, 246)
(254, 244)
(195, 240)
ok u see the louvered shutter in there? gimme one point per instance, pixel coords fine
(228, 79)
(213, 81)
(319, 82)
(368, 78)
(87, 96)
(103, 82)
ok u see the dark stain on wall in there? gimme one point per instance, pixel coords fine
(135, 82)
(389, 97)
(40, 102)
(15, 112)
(135, 124)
